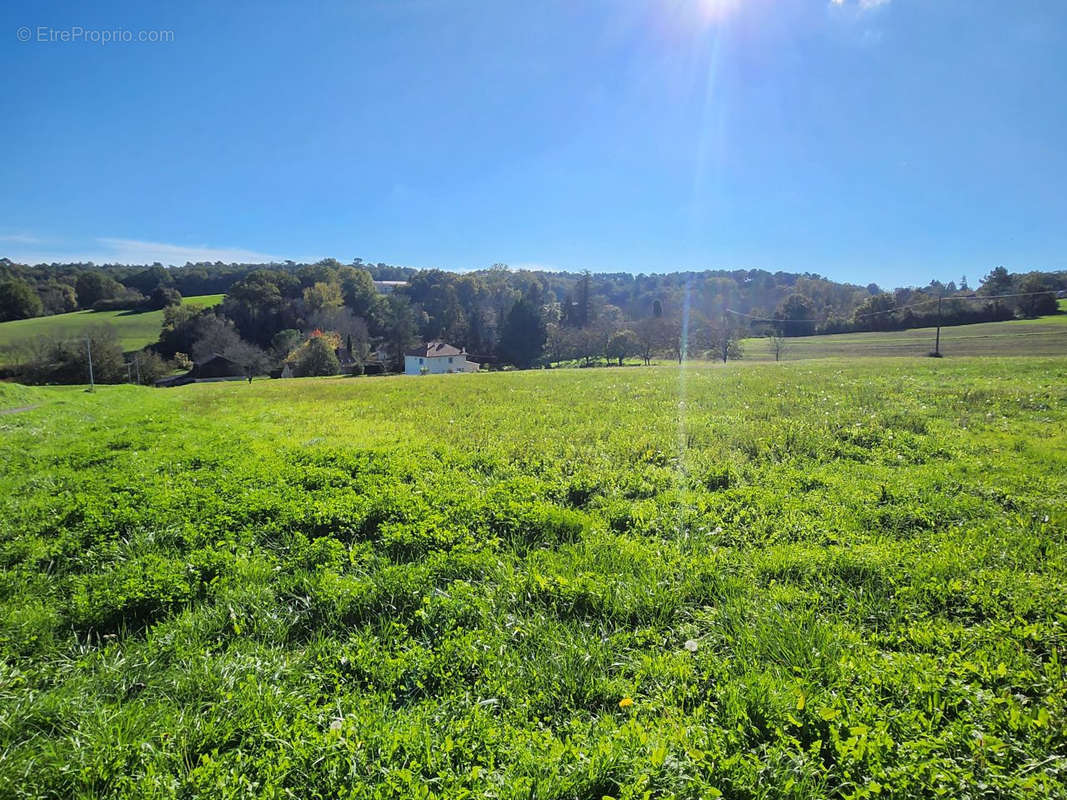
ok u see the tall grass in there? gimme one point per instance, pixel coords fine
(839, 581)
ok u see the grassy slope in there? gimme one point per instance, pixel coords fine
(13, 395)
(448, 584)
(1046, 336)
(135, 329)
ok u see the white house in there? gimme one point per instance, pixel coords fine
(434, 358)
(388, 287)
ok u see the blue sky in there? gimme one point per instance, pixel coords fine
(891, 141)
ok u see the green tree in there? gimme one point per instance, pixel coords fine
(148, 280)
(622, 344)
(58, 297)
(18, 300)
(399, 327)
(324, 271)
(795, 316)
(92, 287)
(725, 341)
(357, 289)
(998, 281)
(1038, 299)
(652, 335)
(150, 366)
(579, 312)
(875, 313)
(257, 304)
(181, 329)
(559, 342)
(318, 358)
(286, 341)
(522, 339)
(323, 296)
(163, 296)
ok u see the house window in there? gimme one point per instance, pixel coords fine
(450, 359)
(420, 360)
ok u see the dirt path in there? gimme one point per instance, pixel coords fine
(18, 410)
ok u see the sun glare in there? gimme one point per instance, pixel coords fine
(716, 10)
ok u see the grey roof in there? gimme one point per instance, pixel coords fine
(434, 350)
(212, 357)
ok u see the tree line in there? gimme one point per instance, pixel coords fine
(312, 317)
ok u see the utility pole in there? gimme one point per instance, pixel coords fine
(89, 350)
(137, 365)
(937, 340)
(725, 335)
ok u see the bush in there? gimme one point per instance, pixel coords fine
(162, 297)
(151, 366)
(66, 361)
(125, 299)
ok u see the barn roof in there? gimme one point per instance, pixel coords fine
(215, 357)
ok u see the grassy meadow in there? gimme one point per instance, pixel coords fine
(798, 580)
(1044, 336)
(135, 329)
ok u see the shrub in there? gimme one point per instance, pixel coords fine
(66, 361)
(151, 366)
(162, 297)
(121, 301)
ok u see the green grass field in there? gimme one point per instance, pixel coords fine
(135, 328)
(1045, 336)
(799, 580)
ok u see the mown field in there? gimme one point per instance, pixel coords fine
(135, 329)
(812, 579)
(1045, 336)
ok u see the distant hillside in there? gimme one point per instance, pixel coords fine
(135, 328)
(1046, 336)
(523, 318)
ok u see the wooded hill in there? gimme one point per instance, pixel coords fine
(505, 316)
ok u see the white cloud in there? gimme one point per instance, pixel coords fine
(20, 238)
(134, 251)
(863, 4)
(115, 250)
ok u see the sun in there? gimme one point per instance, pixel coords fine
(716, 10)
(691, 16)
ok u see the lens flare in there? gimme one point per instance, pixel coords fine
(717, 10)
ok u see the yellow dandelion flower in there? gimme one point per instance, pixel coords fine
(626, 702)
